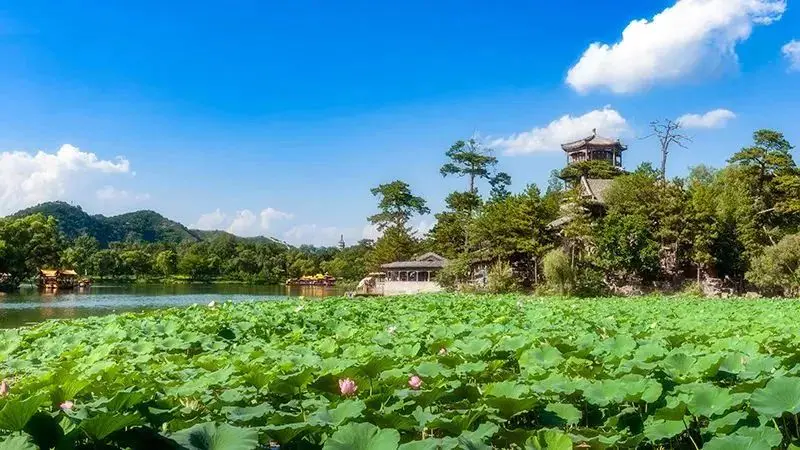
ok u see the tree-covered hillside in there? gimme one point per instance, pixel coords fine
(137, 226)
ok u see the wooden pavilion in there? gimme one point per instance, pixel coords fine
(594, 148)
(58, 279)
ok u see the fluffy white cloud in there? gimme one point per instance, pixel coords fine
(243, 223)
(607, 121)
(791, 51)
(110, 193)
(27, 179)
(712, 119)
(313, 234)
(687, 38)
(270, 215)
(211, 221)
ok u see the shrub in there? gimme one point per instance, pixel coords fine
(777, 270)
(558, 271)
(501, 278)
(454, 273)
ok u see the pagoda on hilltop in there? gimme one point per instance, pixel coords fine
(595, 148)
(591, 184)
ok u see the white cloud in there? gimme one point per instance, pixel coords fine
(313, 234)
(270, 215)
(717, 118)
(607, 121)
(243, 223)
(791, 51)
(27, 179)
(211, 221)
(688, 38)
(110, 193)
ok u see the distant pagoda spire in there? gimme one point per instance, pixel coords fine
(341, 242)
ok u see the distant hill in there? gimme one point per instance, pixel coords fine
(137, 226)
(147, 226)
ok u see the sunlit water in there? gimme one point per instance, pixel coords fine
(30, 306)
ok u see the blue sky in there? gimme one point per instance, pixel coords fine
(224, 115)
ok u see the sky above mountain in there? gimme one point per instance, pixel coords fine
(277, 118)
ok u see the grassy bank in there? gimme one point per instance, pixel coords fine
(435, 371)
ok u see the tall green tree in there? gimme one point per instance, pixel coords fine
(396, 205)
(28, 244)
(473, 160)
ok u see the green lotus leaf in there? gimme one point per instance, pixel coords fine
(16, 413)
(708, 400)
(617, 347)
(766, 434)
(100, 426)
(17, 442)
(363, 436)
(477, 439)
(247, 413)
(508, 397)
(736, 443)
(540, 358)
(432, 370)
(471, 368)
(678, 365)
(431, 444)
(663, 429)
(727, 423)
(780, 395)
(473, 347)
(549, 440)
(210, 436)
(345, 410)
(570, 414)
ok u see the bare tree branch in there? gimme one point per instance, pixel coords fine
(668, 133)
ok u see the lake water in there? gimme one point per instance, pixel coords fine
(30, 306)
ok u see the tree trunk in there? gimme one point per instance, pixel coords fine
(664, 153)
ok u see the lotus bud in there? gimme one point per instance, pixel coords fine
(347, 387)
(67, 405)
(442, 351)
(391, 329)
(4, 388)
(415, 382)
(212, 304)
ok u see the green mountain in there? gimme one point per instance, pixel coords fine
(147, 226)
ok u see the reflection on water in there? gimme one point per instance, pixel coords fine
(29, 305)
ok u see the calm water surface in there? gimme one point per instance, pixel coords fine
(30, 306)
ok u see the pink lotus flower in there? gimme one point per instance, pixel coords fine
(67, 405)
(442, 351)
(415, 382)
(347, 387)
(4, 388)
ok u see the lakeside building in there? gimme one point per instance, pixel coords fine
(416, 276)
(58, 279)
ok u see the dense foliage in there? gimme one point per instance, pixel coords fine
(645, 233)
(427, 372)
(31, 242)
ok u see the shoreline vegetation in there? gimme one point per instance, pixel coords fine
(425, 371)
(719, 232)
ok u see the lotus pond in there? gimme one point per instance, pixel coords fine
(422, 372)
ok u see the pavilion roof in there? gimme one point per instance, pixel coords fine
(593, 141)
(429, 260)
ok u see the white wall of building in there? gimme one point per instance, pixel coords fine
(410, 287)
